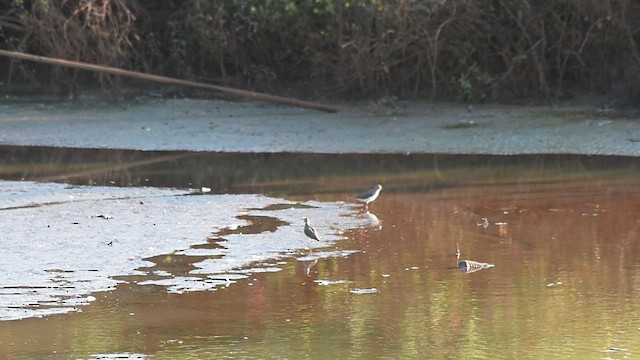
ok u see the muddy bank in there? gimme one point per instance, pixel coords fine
(222, 126)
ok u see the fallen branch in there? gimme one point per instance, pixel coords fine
(168, 80)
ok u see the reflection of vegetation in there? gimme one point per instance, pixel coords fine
(257, 224)
(286, 173)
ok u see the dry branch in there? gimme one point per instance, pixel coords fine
(168, 80)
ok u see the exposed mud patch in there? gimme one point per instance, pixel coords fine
(62, 243)
(221, 126)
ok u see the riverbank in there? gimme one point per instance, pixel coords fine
(148, 123)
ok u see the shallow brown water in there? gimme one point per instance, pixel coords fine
(563, 235)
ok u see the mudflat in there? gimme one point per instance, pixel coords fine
(406, 127)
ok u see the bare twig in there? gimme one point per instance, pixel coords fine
(168, 80)
(434, 54)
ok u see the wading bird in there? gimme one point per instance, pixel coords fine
(309, 231)
(369, 195)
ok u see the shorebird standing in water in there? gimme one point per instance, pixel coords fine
(309, 231)
(369, 195)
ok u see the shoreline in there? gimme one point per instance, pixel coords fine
(152, 124)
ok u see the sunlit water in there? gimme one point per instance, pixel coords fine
(563, 236)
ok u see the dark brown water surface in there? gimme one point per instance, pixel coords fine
(563, 233)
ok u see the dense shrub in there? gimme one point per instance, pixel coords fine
(472, 49)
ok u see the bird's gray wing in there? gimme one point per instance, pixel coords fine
(367, 194)
(311, 232)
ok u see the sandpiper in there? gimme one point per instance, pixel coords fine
(369, 195)
(309, 231)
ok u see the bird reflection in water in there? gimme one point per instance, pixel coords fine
(370, 222)
(373, 221)
(308, 264)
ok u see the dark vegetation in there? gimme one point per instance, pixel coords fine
(469, 49)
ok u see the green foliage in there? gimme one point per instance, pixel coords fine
(464, 85)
